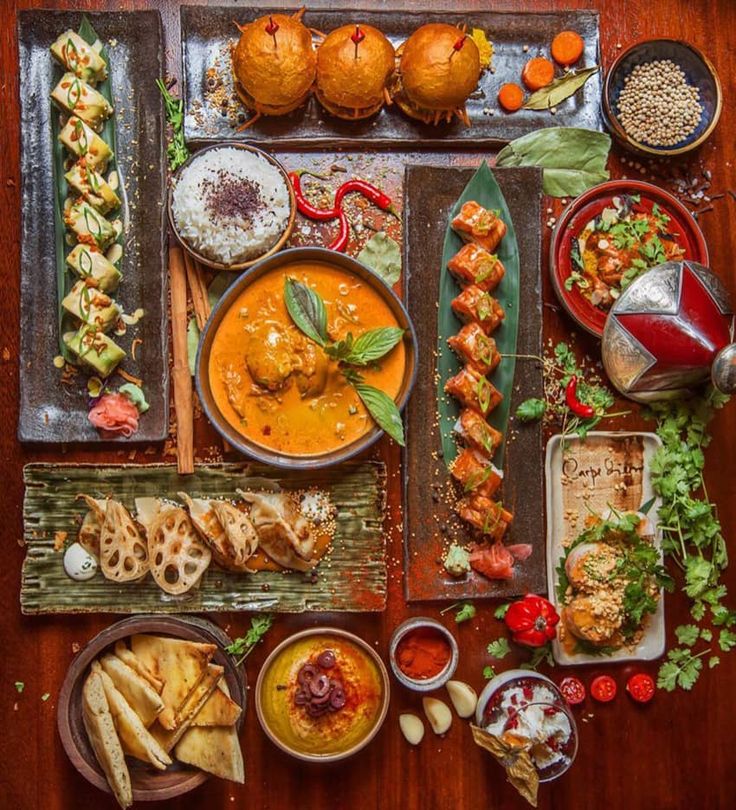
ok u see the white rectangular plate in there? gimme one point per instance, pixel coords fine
(607, 469)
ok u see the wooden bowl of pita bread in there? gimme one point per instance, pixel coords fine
(152, 706)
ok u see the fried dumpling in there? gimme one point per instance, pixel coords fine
(228, 531)
(123, 550)
(178, 555)
(284, 533)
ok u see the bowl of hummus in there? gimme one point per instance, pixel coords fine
(322, 695)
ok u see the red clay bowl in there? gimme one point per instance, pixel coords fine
(586, 207)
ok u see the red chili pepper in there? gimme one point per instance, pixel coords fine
(532, 621)
(573, 690)
(340, 242)
(574, 404)
(305, 207)
(603, 688)
(369, 191)
(641, 687)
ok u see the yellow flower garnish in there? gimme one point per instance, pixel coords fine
(485, 47)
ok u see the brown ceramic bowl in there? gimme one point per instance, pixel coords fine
(308, 756)
(148, 784)
(215, 265)
(260, 452)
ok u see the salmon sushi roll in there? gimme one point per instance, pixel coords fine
(473, 345)
(477, 224)
(476, 474)
(475, 306)
(475, 432)
(474, 391)
(489, 517)
(474, 265)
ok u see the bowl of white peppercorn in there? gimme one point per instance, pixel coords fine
(662, 97)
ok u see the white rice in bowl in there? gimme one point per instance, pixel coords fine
(230, 205)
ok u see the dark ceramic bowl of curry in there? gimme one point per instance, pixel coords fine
(307, 359)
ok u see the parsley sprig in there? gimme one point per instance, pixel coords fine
(176, 149)
(242, 647)
(691, 532)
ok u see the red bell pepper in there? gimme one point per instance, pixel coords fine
(532, 621)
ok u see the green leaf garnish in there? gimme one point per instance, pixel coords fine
(243, 646)
(499, 648)
(530, 410)
(383, 410)
(372, 345)
(307, 310)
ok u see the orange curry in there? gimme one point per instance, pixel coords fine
(277, 387)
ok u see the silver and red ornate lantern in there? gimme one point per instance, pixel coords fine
(669, 331)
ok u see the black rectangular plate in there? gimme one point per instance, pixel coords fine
(205, 30)
(429, 195)
(50, 411)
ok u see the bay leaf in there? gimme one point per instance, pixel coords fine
(560, 89)
(383, 255)
(572, 159)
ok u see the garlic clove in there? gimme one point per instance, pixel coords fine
(438, 714)
(412, 728)
(463, 697)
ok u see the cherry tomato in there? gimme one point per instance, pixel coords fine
(603, 688)
(572, 690)
(641, 687)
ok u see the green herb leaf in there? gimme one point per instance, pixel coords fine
(466, 612)
(489, 672)
(687, 634)
(242, 647)
(45, 696)
(499, 648)
(501, 610)
(383, 410)
(726, 640)
(372, 345)
(572, 159)
(706, 634)
(713, 661)
(176, 149)
(681, 669)
(307, 310)
(560, 89)
(541, 655)
(530, 410)
(19, 686)
(383, 255)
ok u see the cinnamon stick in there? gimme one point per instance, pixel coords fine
(198, 288)
(183, 401)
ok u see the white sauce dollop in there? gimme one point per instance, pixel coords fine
(79, 564)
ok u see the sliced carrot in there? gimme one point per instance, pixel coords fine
(567, 48)
(511, 97)
(538, 73)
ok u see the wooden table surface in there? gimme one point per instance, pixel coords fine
(679, 752)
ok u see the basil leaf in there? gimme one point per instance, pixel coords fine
(307, 310)
(530, 410)
(559, 89)
(373, 345)
(572, 159)
(383, 410)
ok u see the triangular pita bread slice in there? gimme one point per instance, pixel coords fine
(219, 710)
(104, 740)
(198, 697)
(215, 750)
(180, 664)
(123, 550)
(178, 555)
(132, 660)
(142, 697)
(134, 737)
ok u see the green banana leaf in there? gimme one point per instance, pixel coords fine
(484, 189)
(64, 276)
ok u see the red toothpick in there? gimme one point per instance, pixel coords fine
(271, 30)
(358, 36)
(458, 45)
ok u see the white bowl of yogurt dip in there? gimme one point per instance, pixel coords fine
(526, 707)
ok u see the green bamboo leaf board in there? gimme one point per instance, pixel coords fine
(352, 576)
(484, 189)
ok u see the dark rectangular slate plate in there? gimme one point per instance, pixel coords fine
(351, 578)
(206, 29)
(429, 194)
(49, 411)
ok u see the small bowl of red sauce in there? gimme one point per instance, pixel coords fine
(423, 654)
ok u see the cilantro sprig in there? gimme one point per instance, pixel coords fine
(176, 149)
(242, 647)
